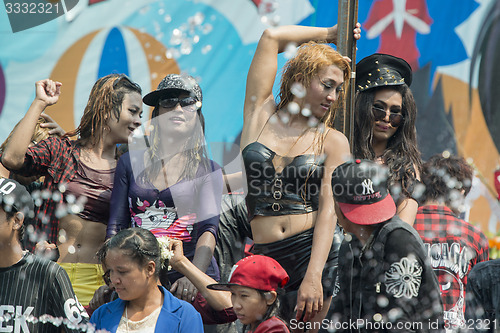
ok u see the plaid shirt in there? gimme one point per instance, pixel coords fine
(454, 247)
(57, 160)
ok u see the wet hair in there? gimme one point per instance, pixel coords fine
(401, 155)
(195, 152)
(445, 178)
(40, 133)
(272, 310)
(139, 244)
(104, 104)
(310, 58)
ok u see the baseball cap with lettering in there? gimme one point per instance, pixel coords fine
(15, 198)
(360, 189)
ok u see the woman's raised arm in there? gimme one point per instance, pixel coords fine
(47, 93)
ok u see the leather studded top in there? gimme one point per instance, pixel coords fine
(293, 190)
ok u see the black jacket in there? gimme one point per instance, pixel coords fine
(482, 297)
(388, 285)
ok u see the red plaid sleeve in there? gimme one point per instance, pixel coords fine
(57, 160)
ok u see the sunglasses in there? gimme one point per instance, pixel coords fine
(395, 119)
(190, 104)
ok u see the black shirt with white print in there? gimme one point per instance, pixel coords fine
(387, 285)
(35, 294)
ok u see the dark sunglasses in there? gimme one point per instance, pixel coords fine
(395, 119)
(190, 104)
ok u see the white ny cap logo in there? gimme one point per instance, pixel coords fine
(367, 186)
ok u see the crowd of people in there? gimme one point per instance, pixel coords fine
(125, 239)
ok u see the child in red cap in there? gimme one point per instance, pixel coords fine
(254, 283)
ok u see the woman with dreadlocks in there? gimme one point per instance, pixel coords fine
(166, 183)
(73, 205)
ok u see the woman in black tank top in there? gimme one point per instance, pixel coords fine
(290, 221)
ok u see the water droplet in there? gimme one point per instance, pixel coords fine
(186, 47)
(275, 20)
(293, 108)
(71, 249)
(285, 119)
(382, 301)
(312, 122)
(70, 198)
(154, 75)
(206, 49)
(176, 38)
(198, 18)
(298, 90)
(172, 54)
(306, 112)
(167, 19)
(267, 7)
(273, 119)
(207, 28)
(290, 50)
(196, 39)
(161, 11)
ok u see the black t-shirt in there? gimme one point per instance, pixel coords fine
(35, 293)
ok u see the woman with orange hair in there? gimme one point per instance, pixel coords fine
(73, 206)
(290, 151)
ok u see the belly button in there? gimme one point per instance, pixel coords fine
(78, 245)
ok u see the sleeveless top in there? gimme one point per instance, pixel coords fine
(96, 187)
(294, 190)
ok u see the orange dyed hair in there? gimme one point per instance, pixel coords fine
(310, 58)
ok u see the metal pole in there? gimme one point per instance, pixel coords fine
(346, 45)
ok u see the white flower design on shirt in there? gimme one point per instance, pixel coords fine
(403, 278)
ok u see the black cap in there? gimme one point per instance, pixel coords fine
(360, 189)
(174, 83)
(378, 70)
(15, 198)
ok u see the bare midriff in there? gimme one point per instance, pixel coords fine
(80, 239)
(268, 229)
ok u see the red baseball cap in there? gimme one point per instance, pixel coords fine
(360, 189)
(257, 272)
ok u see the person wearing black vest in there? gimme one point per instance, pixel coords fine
(384, 282)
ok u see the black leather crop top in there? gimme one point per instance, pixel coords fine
(294, 190)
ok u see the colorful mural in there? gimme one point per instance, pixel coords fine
(450, 47)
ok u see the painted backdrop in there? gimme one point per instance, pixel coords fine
(451, 48)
